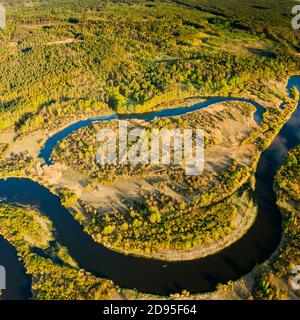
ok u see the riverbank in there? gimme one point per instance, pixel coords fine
(108, 197)
(56, 179)
(77, 254)
(93, 203)
(32, 142)
(277, 279)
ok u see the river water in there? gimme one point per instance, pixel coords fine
(147, 275)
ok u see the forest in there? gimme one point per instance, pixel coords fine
(59, 64)
(63, 61)
(55, 275)
(158, 222)
(268, 281)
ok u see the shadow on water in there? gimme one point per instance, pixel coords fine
(18, 284)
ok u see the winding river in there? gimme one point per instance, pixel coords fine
(153, 276)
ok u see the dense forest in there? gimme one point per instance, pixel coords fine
(274, 281)
(62, 60)
(66, 60)
(55, 275)
(157, 221)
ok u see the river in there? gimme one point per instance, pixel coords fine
(148, 275)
